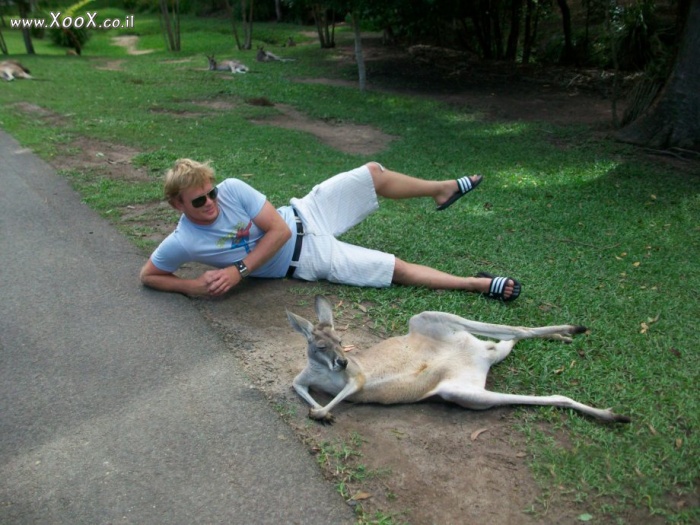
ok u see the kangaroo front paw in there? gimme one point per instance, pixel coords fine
(321, 416)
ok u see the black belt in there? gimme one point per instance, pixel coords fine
(297, 246)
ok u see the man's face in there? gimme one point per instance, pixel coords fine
(198, 204)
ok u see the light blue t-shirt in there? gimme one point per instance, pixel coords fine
(230, 238)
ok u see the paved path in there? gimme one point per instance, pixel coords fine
(119, 404)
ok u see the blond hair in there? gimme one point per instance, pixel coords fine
(186, 173)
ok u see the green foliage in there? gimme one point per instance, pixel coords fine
(637, 33)
(71, 34)
(597, 234)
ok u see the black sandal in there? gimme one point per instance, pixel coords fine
(464, 185)
(498, 286)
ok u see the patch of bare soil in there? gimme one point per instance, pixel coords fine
(129, 42)
(105, 158)
(111, 65)
(345, 137)
(431, 462)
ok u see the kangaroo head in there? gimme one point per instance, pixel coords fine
(212, 62)
(324, 345)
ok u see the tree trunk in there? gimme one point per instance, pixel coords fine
(170, 23)
(247, 15)
(234, 29)
(514, 35)
(278, 10)
(324, 27)
(3, 45)
(529, 36)
(567, 56)
(482, 28)
(673, 121)
(24, 10)
(359, 56)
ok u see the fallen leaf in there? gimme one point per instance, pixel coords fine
(521, 455)
(639, 472)
(585, 517)
(644, 329)
(560, 370)
(477, 433)
(361, 495)
(679, 443)
(652, 320)
(362, 308)
(652, 430)
(636, 264)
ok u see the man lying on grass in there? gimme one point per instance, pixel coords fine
(234, 228)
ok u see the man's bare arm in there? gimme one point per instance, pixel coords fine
(277, 233)
(217, 282)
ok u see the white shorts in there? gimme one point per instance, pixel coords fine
(329, 210)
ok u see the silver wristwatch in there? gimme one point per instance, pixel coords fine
(242, 268)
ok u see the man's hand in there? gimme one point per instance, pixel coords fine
(218, 282)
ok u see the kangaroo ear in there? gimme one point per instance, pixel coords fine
(301, 325)
(324, 310)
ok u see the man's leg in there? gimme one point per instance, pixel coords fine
(417, 275)
(395, 185)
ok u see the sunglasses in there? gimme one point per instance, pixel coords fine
(202, 199)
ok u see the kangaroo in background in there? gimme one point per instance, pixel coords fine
(11, 69)
(266, 56)
(438, 357)
(234, 66)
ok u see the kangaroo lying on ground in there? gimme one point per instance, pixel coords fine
(234, 66)
(266, 56)
(438, 357)
(11, 69)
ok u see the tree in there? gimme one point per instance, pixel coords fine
(673, 120)
(170, 22)
(359, 55)
(247, 16)
(325, 24)
(568, 55)
(232, 17)
(25, 8)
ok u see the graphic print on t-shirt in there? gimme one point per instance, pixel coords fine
(239, 238)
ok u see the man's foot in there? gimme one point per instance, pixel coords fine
(464, 186)
(505, 289)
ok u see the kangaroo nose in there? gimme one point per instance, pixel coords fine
(343, 363)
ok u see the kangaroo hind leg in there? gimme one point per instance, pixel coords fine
(443, 326)
(482, 400)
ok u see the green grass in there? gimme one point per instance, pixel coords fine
(597, 233)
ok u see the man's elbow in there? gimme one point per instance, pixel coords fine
(145, 275)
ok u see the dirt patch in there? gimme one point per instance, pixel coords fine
(32, 110)
(129, 42)
(111, 65)
(345, 137)
(107, 159)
